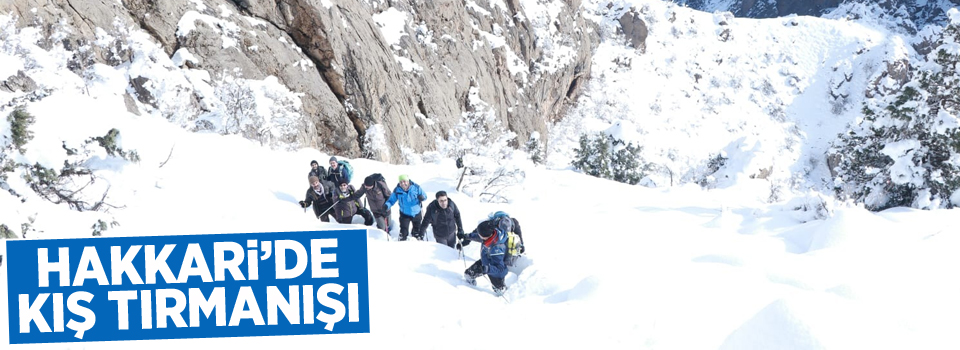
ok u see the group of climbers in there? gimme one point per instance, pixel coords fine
(331, 193)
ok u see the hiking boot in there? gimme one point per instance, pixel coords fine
(470, 279)
(403, 238)
(498, 286)
(499, 290)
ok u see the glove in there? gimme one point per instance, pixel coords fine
(386, 208)
(459, 246)
(303, 204)
(460, 235)
(421, 198)
(466, 242)
(522, 249)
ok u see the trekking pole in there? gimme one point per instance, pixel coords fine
(331, 207)
(463, 255)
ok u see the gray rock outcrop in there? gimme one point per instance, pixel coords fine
(526, 64)
(634, 29)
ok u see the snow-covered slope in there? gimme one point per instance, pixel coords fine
(609, 265)
(912, 13)
(769, 94)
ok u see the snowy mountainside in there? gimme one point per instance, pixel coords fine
(609, 265)
(769, 94)
(913, 14)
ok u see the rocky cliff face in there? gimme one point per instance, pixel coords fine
(405, 65)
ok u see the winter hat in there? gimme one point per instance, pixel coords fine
(486, 229)
(368, 181)
(333, 159)
(312, 162)
(404, 177)
(343, 181)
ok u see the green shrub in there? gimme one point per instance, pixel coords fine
(20, 122)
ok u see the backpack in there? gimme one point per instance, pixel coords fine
(505, 222)
(499, 215)
(328, 190)
(378, 181)
(377, 177)
(502, 221)
(348, 169)
(514, 246)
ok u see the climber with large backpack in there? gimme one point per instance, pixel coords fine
(339, 170)
(495, 233)
(377, 192)
(515, 246)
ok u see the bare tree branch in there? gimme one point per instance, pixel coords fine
(168, 156)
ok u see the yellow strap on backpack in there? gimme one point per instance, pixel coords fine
(513, 244)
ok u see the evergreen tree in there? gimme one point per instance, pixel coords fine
(20, 122)
(606, 157)
(627, 165)
(906, 150)
(592, 156)
(74, 182)
(582, 156)
(602, 144)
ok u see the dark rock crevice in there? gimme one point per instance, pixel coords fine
(303, 24)
(19, 13)
(422, 108)
(146, 6)
(572, 90)
(352, 74)
(80, 14)
(308, 33)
